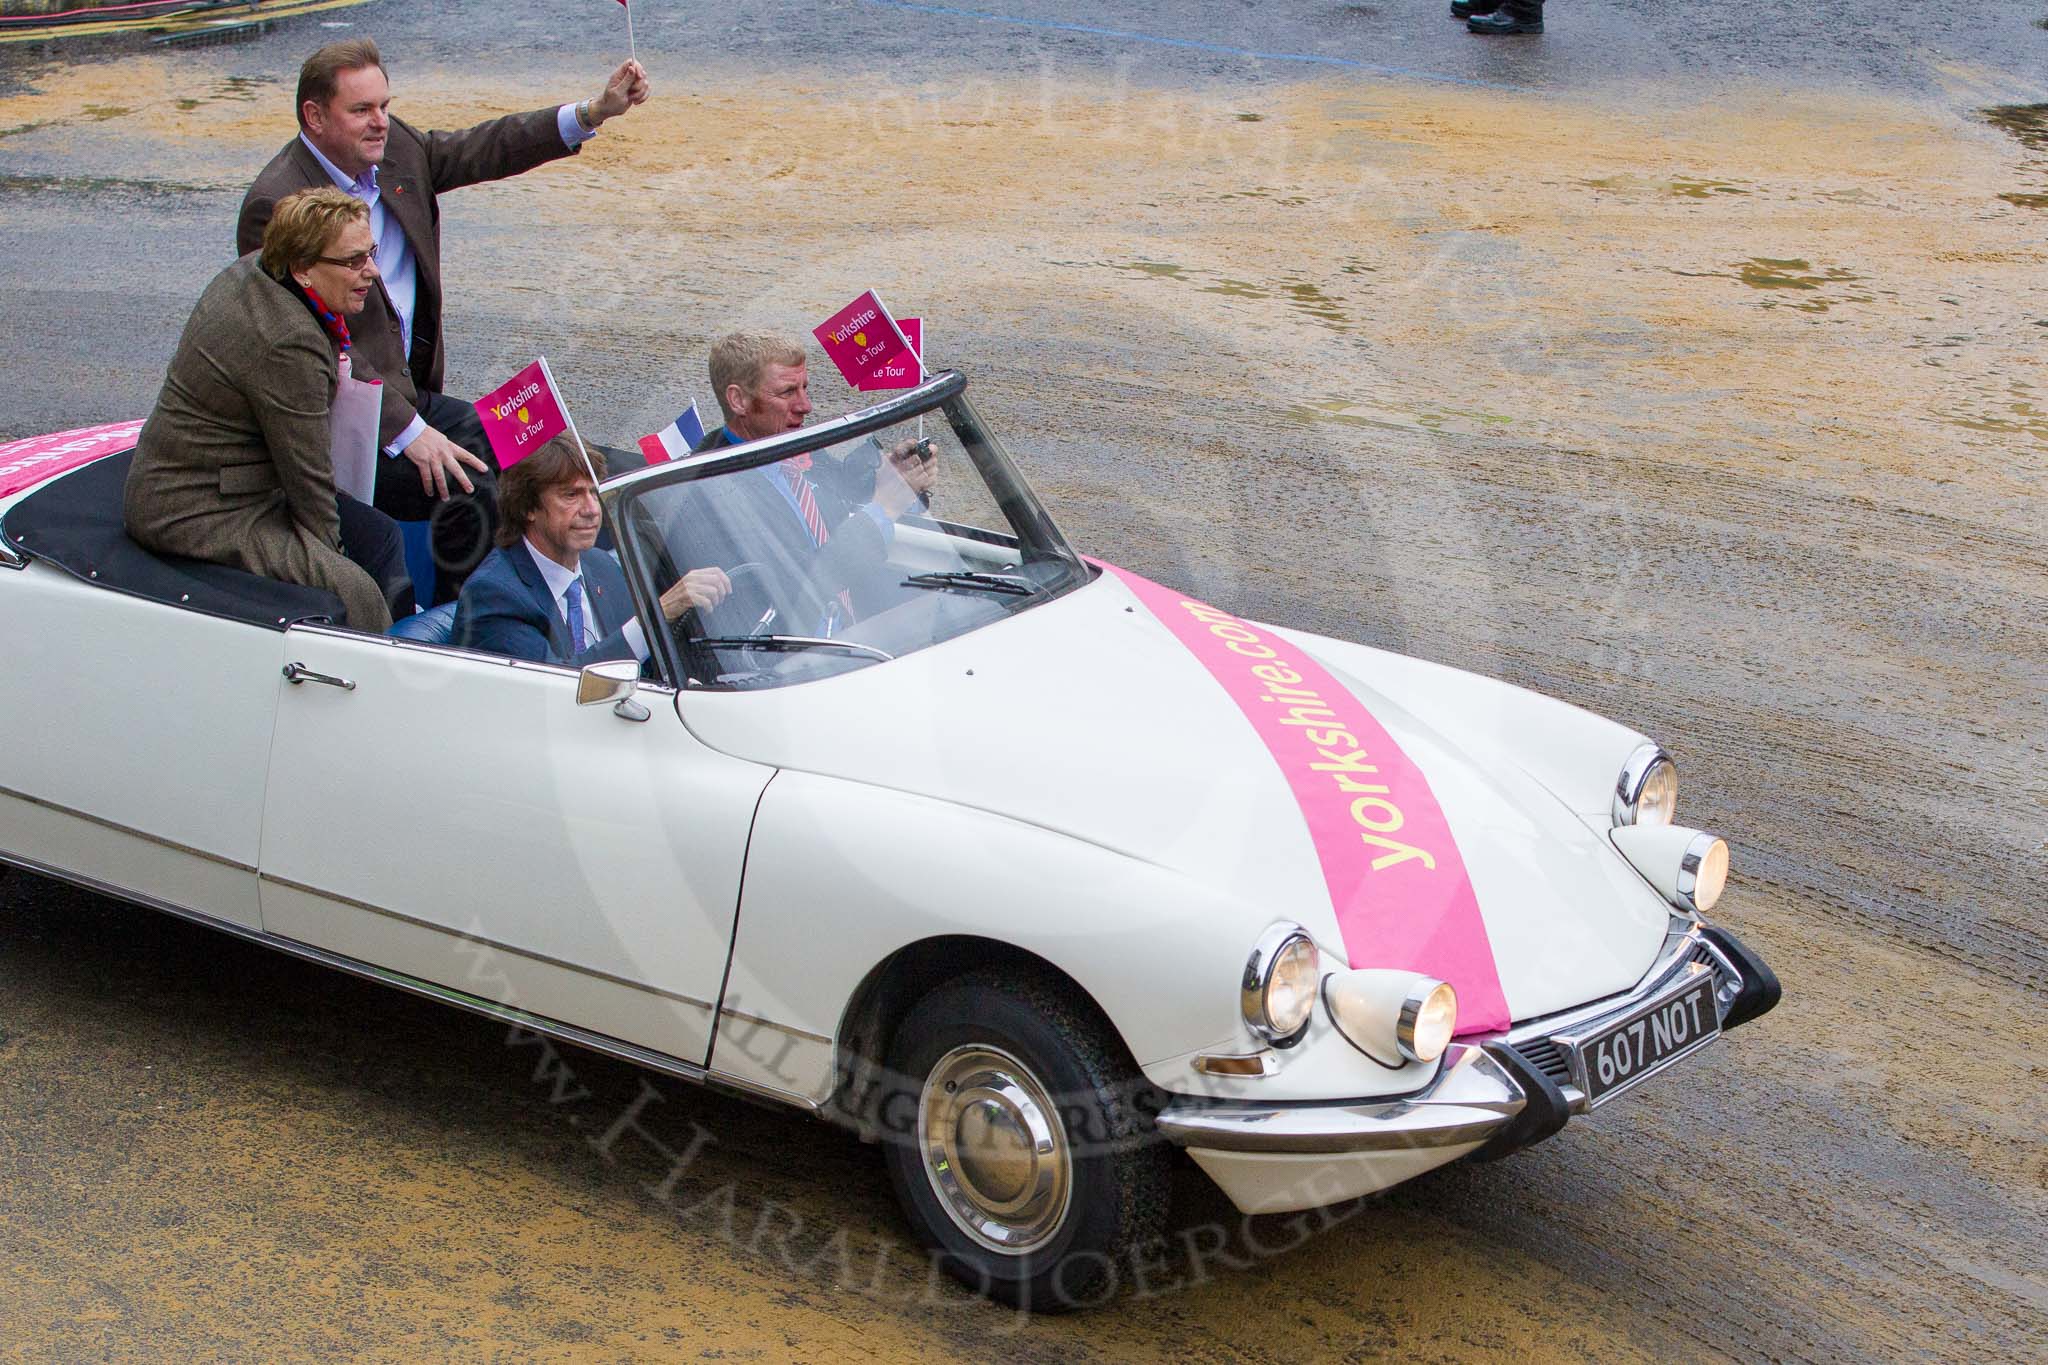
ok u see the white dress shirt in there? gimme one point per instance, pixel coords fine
(395, 260)
(558, 577)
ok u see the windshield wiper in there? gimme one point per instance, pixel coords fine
(984, 582)
(792, 642)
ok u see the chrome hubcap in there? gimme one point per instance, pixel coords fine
(994, 1150)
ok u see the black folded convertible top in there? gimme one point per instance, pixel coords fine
(74, 522)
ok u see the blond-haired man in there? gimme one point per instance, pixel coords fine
(807, 521)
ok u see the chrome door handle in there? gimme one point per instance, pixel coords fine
(297, 673)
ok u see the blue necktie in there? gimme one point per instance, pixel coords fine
(574, 597)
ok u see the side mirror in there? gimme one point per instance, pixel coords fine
(615, 681)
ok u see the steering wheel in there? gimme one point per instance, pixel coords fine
(751, 609)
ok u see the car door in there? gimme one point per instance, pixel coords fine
(133, 743)
(457, 817)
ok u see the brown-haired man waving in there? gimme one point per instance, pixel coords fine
(440, 464)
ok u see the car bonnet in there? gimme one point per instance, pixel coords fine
(1091, 716)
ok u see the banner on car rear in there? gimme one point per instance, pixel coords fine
(27, 462)
(1397, 883)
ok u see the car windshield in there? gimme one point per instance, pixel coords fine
(841, 546)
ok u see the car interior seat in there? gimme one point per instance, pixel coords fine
(434, 626)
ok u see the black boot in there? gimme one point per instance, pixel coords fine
(1513, 16)
(1465, 9)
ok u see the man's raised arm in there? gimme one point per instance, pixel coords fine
(508, 146)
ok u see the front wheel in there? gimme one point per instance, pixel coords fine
(1022, 1146)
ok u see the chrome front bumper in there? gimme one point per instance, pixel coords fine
(1505, 1091)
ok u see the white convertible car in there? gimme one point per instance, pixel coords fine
(1029, 868)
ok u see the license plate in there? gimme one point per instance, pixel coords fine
(1667, 1028)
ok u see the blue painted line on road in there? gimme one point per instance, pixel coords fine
(1127, 35)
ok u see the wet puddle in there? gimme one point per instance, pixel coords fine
(1766, 272)
(1679, 187)
(1291, 201)
(2014, 412)
(2028, 125)
(2026, 419)
(245, 89)
(1704, 189)
(2026, 122)
(1301, 295)
(1773, 273)
(242, 89)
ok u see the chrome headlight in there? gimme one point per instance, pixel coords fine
(1393, 1017)
(1703, 872)
(1646, 793)
(1278, 993)
(1689, 866)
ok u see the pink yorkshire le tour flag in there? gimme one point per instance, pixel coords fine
(862, 336)
(902, 370)
(521, 415)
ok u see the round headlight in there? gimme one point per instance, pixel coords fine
(1394, 1017)
(1703, 872)
(1278, 993)
(1689, 867)
(1646, 793)
(1426, 1022)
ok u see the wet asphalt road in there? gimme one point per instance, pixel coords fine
(1589, 42)
(1833, 610)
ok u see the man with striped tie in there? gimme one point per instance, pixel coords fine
(544, 593)
(825, 522)
(763, 388)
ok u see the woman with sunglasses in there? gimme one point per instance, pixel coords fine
(235, 464)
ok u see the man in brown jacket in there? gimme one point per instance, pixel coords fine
(439, 464)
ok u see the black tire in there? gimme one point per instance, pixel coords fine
(1067, 1250)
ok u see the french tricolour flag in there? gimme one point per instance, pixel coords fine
(675, 440)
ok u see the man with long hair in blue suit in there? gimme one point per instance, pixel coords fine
(544, 593)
